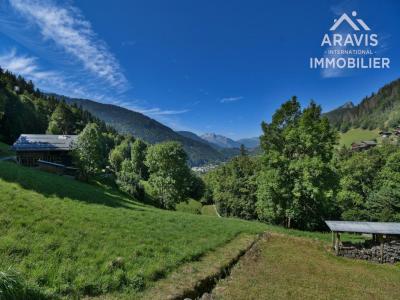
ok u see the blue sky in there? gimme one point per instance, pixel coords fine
(204, 66)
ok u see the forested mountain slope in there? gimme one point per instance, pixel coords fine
(220, 140)
(139, 125)
(24, 109)
(380, 110)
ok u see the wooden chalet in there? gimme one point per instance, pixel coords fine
(32, 148)
(385, 134)
(363, 145)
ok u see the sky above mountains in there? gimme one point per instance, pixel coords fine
(203, 66)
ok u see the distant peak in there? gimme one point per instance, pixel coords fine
(348, 104)
(209, 134)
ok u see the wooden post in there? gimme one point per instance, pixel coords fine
(337, 242)
(381, 240)
(333, 240)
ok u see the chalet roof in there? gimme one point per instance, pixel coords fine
(364, 227)
(364, 144)
(44, 142)
(369, 142)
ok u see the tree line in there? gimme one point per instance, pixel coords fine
(303, 177)
(135, 164)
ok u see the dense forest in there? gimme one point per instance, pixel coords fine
(25, 109)
(380, 110)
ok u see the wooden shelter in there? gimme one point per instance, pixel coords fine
(381, 231)
(363, 145)
(30, 148)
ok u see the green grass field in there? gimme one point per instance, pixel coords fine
(5, 150)
(285, 267)
(67, 238)
(357, 135)
(71, 238)
(209, 210)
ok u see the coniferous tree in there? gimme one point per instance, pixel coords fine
(62, 120)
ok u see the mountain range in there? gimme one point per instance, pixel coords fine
(220, 141)
(139, 125)
(378, 110)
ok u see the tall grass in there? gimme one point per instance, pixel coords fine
(72, 239)
(13, 287)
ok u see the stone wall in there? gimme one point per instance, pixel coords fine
(372, 251)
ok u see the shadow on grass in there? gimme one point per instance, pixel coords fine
(54, 185)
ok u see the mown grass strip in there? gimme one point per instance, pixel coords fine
(193, 279)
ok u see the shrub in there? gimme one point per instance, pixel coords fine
(191, 206)
(128, 181)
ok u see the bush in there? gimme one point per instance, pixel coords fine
(128, 181)
(137, 283)
(191, 206)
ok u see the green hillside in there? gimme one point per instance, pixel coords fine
(356, 135)
(379, 110)
(141, 126)
(70, 238)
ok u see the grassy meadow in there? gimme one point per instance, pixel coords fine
(70, 238)
(357, 135)
(286, 267)
(209, 210)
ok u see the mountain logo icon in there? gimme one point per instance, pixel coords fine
(349, 21)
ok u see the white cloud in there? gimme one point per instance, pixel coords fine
(47, 80)
(68, 29)
(151, 111)
(28, 67)
(230, 99)
(159, 112)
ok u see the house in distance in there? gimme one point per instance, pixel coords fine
(35, 149)
(363, 145)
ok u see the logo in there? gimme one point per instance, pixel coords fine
(349, 21)
(349, 44)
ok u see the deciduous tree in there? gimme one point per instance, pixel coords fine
(297, 184)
